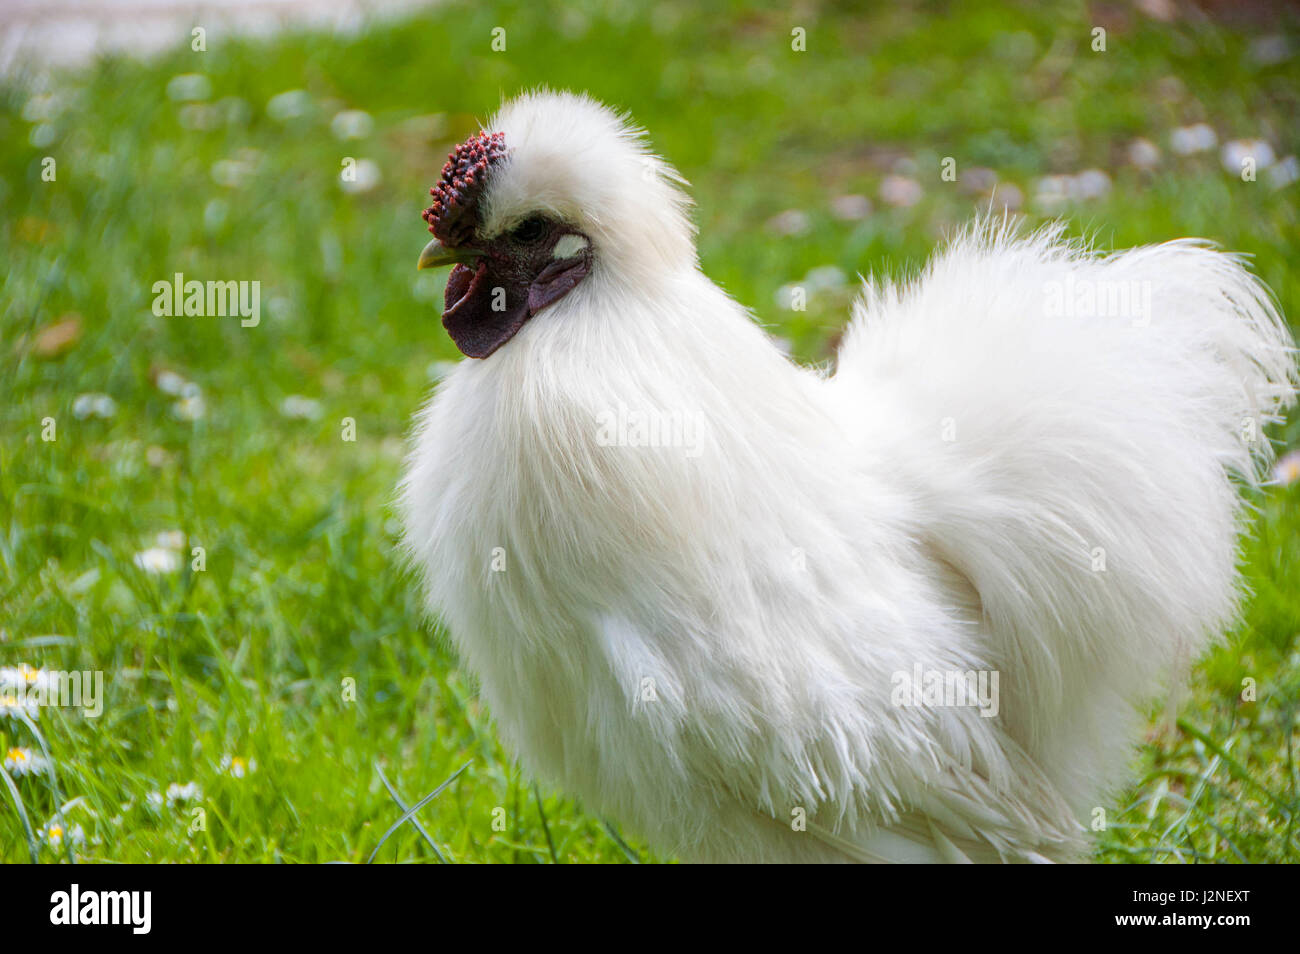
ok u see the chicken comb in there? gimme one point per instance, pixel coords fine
(451, 218)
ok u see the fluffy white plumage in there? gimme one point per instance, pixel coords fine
(704, 645)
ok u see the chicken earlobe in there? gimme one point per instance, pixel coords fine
(483, 310)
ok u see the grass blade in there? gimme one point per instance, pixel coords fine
(410, 812)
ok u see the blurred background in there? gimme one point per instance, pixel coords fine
(207, 520)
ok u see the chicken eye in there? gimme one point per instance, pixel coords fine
(529, 230)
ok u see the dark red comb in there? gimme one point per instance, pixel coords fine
(451, 218)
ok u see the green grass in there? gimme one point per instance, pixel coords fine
(303, 587)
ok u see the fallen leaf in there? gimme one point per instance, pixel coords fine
(56, 340)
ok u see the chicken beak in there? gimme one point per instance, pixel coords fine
(436, 254)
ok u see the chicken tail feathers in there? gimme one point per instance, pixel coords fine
(1075, 427)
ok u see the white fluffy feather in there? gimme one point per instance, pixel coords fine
(827, 532)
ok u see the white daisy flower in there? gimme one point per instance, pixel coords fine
(1285, 172)
(13, 677)
(169, 382)
(1052, 192)
(189, 87)
(189, 792)
(851, 208)
(43, 136)
(363, 176)
(190, 408)
(1187, 140)
(825, 277)
(1005, 195)
(12, 707)
(790, 222)
(15, 684)
(1287, 469)
(1090, 184)
(299, 408)
(1234, 153)
(352, 124)
(238, 766)
(43, 107)
(158, 560)
(1143, 153)
(23, 761)
(1270, 50)
(785, 295)
(55, 834)
(290, 104)
(93, 405)
(900, 191)
(977, 179)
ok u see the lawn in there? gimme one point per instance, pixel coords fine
(212, 524)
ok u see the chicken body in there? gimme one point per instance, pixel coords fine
(698, 583)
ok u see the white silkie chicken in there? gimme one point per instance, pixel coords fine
(757, 612)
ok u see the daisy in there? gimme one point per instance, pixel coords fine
(1234, 153)
(900, 191)
(851, 208)
(93, 405)
(169, 382)
(190, 408)
(1287, 469)
(189, 792)
(1187, 140)
(362, 177)
(1143, 153)
(23, 761)
(13, 707)
(297, 407)
(189, 87)
(158, 560)
(16, 684)
(237, 765)
(790, 222)
(55, 833)
(352, 124)
(177, 794)
(288, 105)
